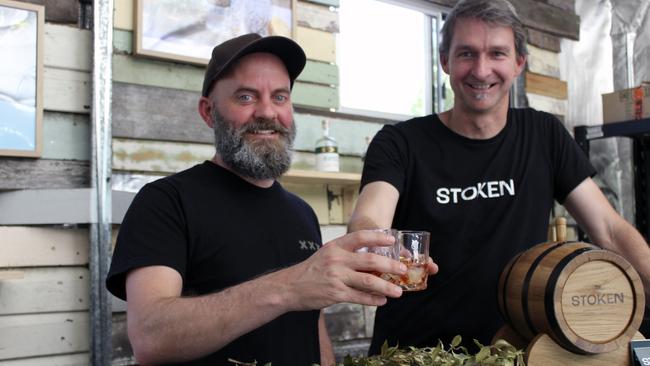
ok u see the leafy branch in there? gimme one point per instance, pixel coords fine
(501, 353)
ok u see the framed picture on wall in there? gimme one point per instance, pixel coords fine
(21, 78)
(188, 30)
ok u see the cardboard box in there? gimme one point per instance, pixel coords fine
(628, 104)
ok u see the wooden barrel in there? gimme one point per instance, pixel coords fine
(588, 300)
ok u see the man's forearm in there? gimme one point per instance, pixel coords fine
(326, 351)
(629, 243)
(164, 327)
(185, 328)
(360, 223)
(375, 207)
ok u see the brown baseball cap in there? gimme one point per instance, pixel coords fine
(226, 53)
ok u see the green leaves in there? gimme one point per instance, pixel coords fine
(501, 353)
(456, 341)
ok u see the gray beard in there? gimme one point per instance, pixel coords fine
(259, 160)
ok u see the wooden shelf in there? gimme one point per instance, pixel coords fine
(312, 176)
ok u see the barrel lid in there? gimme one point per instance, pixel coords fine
(599, 301)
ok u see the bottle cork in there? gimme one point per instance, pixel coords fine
(560, 228)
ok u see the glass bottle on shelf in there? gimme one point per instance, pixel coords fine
(327, 151)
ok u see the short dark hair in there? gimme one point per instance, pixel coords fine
(499, 12)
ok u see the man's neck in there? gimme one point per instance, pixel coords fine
(262, 183)
(478, 126)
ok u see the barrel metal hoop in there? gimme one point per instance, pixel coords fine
(524, 289)
(549, 300)
(504, 297)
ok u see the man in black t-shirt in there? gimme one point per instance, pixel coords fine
(482, 179)
(219, 262)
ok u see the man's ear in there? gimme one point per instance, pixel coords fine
(521, 63)
(444, 62)
(205, 110)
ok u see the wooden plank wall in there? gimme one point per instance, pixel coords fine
(45, 296)
(44, 311)
(545, 90)
(555, 17)
(44, 318)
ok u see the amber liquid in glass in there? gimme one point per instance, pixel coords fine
(415, 278)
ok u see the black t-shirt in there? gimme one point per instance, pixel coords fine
(217, 231)
(483, 201)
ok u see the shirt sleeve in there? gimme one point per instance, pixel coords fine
(386, 159)
(152, 233)
(572, 165)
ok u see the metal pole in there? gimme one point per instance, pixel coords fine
(440, 95)
(630, 38)
(100, 228)
(428, 72)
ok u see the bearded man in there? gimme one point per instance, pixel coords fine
(212, 260)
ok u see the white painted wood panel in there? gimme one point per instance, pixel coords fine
(123, 14)
(43, 334)
(121, 201)
(45, 206)
(46, 290)
(6, 274)
(137, 70)
(56, 206)
(66, 90)
(318, 45)
(317, 17)
(77, 359)
(331, 232)
(68, 47)
(66, 136)
(318, 177)
(23, 246)
(158, 156)
(547, 104)
(313, 95)
(543, 62)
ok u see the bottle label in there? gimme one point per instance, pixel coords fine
(327, 149)
(327, 162)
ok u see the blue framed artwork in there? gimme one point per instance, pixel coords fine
(21, 78)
